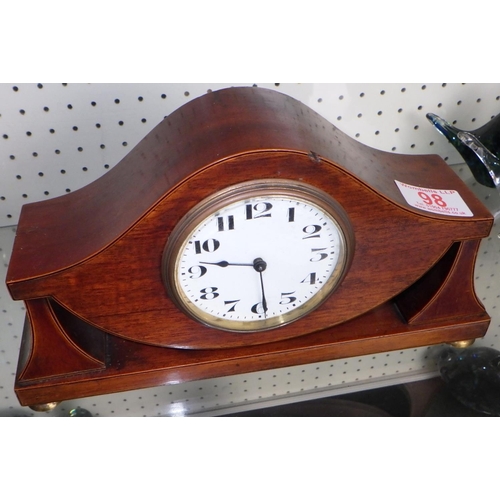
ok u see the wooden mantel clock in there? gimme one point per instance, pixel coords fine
(244, 233)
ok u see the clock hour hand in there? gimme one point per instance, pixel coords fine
(225, 263)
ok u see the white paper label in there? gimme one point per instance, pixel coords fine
(437, 201)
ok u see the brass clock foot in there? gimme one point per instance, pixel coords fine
(44, 406)
(462, 344)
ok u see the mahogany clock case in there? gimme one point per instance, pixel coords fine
(89, 264)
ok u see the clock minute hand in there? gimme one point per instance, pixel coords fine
(260, 266)
(225, 263)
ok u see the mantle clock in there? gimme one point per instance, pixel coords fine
(243, 233)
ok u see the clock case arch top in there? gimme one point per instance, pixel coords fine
(89, 262)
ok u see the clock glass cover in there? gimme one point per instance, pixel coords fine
(257, 255)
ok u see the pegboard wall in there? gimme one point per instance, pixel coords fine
(56, 138)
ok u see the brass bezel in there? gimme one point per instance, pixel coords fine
(211, 205)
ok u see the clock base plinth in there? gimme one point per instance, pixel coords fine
(129, 365)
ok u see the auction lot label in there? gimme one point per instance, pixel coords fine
(437, 201)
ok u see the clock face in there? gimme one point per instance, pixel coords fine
(257, 256)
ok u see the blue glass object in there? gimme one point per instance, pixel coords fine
(479, 148)
(79, 412)
(472, 376)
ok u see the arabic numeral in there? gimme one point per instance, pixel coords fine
(232, 303)
(210, 245)
(318, 256)
(209, 293)
(287, 298)
(259, 308)
(197, 272)
(258, 210)
(225, 223)
(311, 231)
(310, 279)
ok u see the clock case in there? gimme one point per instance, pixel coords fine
(88, 265)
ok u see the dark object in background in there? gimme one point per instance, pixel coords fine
(472, 376)
(479, 148)
(393, 401)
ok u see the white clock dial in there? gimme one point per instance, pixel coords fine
(259, 261)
